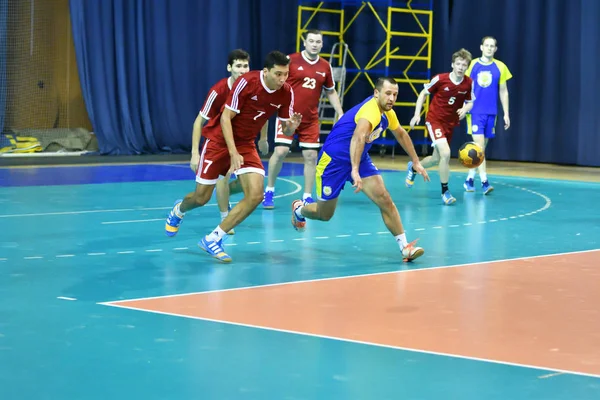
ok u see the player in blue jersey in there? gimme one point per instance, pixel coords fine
(344, 157)
(489, 76)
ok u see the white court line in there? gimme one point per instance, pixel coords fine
(414, 350)
(296, 190)
(66, 298)
(132, 221)
(405, 271)
(85, 212)
(116, 210)
(340, 339)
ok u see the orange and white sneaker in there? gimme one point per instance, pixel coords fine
(298, 223)
(412, 252)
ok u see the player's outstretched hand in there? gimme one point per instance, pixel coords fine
(295, 120)
(461, 113)
(421, 171)
(415, 121)
(194, 162)
(263, 147)
(236, 161)
(356, 181)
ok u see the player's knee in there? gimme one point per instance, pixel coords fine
(201, 197)
(384, 200)
(281, 152)
(326, 214)
(255, 196)
(444, 154)
(310, 156)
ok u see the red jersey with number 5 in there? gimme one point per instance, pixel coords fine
(254, 104)
(448, 98)
(308, 78)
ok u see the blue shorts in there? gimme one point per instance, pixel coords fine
(481, 124)
(333, 173)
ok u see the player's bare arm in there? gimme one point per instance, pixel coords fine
(334, 100)
(357, 146)
(418, 107)
(503, 88)
(290, 126)
(263, 143)
(196, 136)
(236, 159)
(405, 141)
(464, 110)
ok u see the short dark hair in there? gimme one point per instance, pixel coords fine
(313, 32)
(490, 37)
(237, 54)
(383, 79)
(276, 58)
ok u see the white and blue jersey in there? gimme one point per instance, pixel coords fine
(487, 78)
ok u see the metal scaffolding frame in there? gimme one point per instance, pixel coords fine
(408, 70)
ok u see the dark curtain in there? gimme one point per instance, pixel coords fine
(552, 49)
(3, 82)
(145, 67)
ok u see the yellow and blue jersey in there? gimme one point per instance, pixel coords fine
(487, 78)
(337, 144)
(334, 166)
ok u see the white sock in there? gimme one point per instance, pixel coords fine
(224, 215)
(306, 195)
(401, 240)
(216, 235)
(472, 172)
(270, 189)
(483, 176)
(178, 211)
(298, 212)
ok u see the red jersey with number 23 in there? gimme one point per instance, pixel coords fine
(448, 98)
(308, 78)
(254, 104)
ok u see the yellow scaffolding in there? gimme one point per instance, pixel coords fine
(408, 69)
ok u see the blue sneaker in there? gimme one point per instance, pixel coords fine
(469, 185)
(410, 175)
(487, 189)
(173, 221)
(268, 202)
(448, 198)
(308, 200)
(214, 249)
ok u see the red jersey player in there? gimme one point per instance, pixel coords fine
(452, 99)
(238, 63)
(229, 146)
(309, 74)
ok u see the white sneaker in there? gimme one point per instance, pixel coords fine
(412, 252)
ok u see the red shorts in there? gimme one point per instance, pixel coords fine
(215, 162)
(438, 131)
(307, 132)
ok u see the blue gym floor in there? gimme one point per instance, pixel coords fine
(74, 237)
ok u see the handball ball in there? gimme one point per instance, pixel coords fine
(470, 155)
